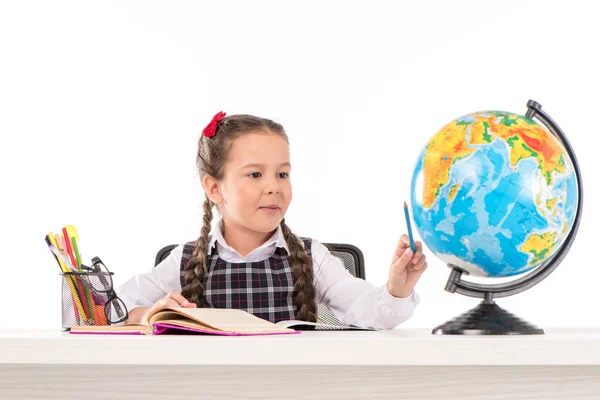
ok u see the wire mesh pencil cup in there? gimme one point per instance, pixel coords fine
(88, 298)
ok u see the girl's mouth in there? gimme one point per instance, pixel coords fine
(270, 209)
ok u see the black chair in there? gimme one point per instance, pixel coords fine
(351, 257)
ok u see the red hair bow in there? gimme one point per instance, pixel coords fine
(212, 125)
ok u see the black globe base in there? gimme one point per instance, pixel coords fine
(487, 319)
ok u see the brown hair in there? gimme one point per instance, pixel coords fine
(213, 153)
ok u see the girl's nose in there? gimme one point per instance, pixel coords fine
(273, 187)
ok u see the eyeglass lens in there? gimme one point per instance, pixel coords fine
(115, 310)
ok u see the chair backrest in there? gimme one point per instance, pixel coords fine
(351, 257)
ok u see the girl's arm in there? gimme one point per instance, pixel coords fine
(173, 299)
(142, 291)
(353, 300)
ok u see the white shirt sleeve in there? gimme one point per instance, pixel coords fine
(353, 300)
(144, 290)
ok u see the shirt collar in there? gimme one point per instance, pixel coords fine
(275, 241)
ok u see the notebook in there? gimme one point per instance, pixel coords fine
(177, 320)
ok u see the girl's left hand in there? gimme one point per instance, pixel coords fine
(406, 268)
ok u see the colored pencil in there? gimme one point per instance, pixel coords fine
(409, 228)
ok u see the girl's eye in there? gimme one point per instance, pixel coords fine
(254, 175)
(284, 175)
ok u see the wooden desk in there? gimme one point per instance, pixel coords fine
(398, 364)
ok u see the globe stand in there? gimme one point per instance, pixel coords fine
(488, 318)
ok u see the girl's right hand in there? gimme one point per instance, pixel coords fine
(173, 299)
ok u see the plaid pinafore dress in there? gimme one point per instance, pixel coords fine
(264, 288)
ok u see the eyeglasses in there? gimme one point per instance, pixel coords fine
(100, 280)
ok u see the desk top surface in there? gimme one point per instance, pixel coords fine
(578, 346)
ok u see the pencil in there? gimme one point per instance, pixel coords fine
(82, 290)
(408, 227)
(77, 257)
(70, 281)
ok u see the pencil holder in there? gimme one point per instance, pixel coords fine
(84, 298)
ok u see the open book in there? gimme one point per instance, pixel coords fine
(213, 321)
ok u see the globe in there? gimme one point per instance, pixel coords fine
(494, 194)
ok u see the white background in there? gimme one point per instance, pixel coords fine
(101, 105)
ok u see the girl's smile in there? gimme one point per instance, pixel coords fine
(271, 209)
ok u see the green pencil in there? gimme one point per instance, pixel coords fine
(88, 298)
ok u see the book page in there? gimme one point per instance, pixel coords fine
(296, 324)
(293, 322)
(130, 328)
(175, 318)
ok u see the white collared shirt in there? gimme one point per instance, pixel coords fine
(352, 300)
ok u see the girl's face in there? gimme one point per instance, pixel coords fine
(256, 189)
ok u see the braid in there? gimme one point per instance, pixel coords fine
(302, 271)
(197, 267)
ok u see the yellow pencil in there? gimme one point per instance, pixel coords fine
(70, 279)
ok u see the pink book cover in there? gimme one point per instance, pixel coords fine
(167, 329)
